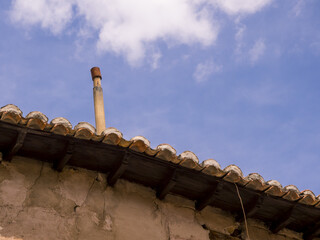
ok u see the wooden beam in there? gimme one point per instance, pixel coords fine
(251, 208)
(285, 220)
(202, 203)
(60, 163)
(167, 187)
(313, 232)
(118, 170)
(16, 146)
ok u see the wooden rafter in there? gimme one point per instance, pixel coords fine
(202, 203)
(169, 184)
(16, 146)
(312, 232)
(60, 163)
(118, 170)
(284, 220)
(252, 207)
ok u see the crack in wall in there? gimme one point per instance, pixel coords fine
(90, 188)
(104, 208)
(84, 201)
(156, 208)
(36, 180)
(28, 192)
(163, 219)
(104, 214)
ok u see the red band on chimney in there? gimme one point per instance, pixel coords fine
(95, 72)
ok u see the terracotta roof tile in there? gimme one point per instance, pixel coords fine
(10, 113)
(190, 160)
(308, 198)
(151, 152)
(11, 108)
(61, 121)
(256, 182)
(60, 126)
(212, 167)
(275, 188)
(293, 193)
(232, 173)
(112, 136)
(167, 152)
(37, 115)
(139, 144)
(36, 120)
(84, 130)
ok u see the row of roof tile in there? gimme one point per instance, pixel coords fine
(232, 173)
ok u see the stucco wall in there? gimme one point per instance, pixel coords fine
(37, 202)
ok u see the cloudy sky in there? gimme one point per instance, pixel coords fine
(237, 81)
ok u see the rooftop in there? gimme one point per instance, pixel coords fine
(161, 168)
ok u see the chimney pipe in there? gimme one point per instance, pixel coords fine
(98, 100)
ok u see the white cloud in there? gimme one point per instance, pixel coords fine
(298, 7)
(240, 30)
(128, 27)
(257, 51)
(155, 60)
(205, 70)
(233, 7)
(49, 14)
(129, 32)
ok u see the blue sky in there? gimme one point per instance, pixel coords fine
(229, 80)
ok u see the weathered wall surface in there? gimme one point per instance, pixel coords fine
(37, 202)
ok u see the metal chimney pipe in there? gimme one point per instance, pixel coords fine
(98, 100)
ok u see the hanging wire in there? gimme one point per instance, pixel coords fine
(243, 211)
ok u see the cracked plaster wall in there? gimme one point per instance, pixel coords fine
(37, 202)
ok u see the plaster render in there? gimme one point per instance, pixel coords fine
(37, 202)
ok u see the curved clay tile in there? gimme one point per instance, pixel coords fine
(112, 136)
(37, 115)
(189, 159)
(212, 167)
(151, 152)
(292, 188)
(234, 174)
(274, 183)
(11, 108)
(308, 192)
(36, 120)
(61, 121)
(139, 144)
(124, 143)
(255, 177)
(97, 138)
(10, 113)
(256, 182)
(84, 130)
(60, 126)
(275, 188)
(167, 152)
(308, 198)
(293, 193)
